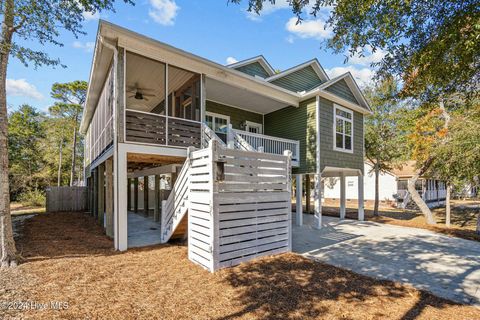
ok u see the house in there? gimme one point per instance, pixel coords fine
(178, 146)
(393, 187)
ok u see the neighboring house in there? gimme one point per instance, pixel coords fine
(393, 187)
(214, 145)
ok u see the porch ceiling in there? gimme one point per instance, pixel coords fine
(240, 97)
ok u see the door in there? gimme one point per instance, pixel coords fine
(218, 123)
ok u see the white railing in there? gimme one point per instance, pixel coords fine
(267, 144)
(176, 205)
(208, 135)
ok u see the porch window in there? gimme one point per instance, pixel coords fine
(343, 129)
(218, 123)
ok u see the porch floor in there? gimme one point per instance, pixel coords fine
(142, 231)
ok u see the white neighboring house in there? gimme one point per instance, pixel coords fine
(392, 187)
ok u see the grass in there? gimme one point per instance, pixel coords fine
(68, 259)
(17, 208)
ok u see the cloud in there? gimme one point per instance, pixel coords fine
(309, 28)
(363, 76)
(88, 16)
(87, 46)
(163, 11)
(231, 60)
(21, 88)
(290, 39)
(368, 57)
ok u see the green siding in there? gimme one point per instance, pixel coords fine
(237, 116)
(341, 89)
(254, 69)
(296, 124)
(330, 157)
(301, 80)
(299, 124)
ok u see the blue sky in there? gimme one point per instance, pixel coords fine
(211, 29)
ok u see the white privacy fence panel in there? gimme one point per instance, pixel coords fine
(240, 206)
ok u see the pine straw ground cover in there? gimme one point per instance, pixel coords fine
(68, 259)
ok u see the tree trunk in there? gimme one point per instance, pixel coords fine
(8, 252)
(478, 224)
(419, 201)
(74, 150)
(59, 173)
(447, 206)
(377, 178)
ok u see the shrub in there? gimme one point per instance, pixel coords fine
(34, 198)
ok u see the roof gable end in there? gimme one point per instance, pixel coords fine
(256, 66)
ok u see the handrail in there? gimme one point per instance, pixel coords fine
(176, 205)
(269, 144)
(208, 134)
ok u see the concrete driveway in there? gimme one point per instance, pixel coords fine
(447, 267)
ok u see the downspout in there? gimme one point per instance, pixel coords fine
(115, 142)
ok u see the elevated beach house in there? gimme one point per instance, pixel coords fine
(178, 146)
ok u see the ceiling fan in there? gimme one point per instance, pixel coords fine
(140, 93)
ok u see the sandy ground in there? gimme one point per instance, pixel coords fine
(69, 260)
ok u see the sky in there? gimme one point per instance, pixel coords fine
(216, 30)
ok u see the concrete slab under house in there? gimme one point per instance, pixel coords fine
(180, 147)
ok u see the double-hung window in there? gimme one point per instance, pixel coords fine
(343, 129)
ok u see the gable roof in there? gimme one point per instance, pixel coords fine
(344, 87)
(259, 66)
(322, 75)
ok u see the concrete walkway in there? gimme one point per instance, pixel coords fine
(142, 231)
(447, 267)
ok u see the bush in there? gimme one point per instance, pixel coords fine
(34, 198)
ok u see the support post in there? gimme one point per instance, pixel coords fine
(342, 197)
(156, 209)
(121, 212)
(145, 195)
(109, 197)
(95, 193)
(307, 194)
(318, 201)
(101, 194)
(361, 209)
(135, 195)
(129, 194)
(299, 217)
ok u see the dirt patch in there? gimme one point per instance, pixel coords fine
(68, 259)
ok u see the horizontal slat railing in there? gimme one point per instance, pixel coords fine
(268, 144)
(150, 128)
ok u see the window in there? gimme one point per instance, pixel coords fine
(253, 127)
(343, 129)
(218, 123)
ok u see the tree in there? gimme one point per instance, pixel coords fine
(71, 96)
(433, 45)
(382, 140)
(40, 21)
(458, 161)
(25, 133)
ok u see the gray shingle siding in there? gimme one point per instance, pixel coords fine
(254, 69)
(341, 89)
(330, 157)
(301, 80)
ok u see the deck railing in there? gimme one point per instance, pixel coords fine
(149, 128)
(268, 144)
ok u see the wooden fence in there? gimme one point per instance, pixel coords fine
(239, 206)
(61, 199)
